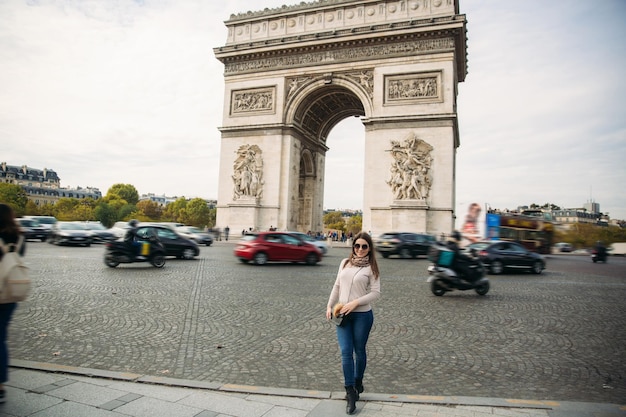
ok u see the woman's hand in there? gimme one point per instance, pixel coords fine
(329, 313)
(347, 308)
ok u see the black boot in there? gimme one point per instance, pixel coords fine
(359, 386)
(351, 397)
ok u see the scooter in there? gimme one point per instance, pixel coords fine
(444, 278)
(598, 256)
(118, 252)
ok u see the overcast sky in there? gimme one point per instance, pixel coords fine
(118, 91)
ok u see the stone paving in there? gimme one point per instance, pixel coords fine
(556, 336)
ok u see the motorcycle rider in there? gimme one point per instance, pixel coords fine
(600, 250)
(130, 238)
(462, 262)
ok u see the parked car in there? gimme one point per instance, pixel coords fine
(70, 233)
(32, 230)
(404, 244)
(196, 234)
(175, 244)
(99, 233)
(501, 255)
(563, 247)
(264, 247)
(321, 244)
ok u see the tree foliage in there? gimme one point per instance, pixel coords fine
(14, 196)
(355, 224)
(584, 235)
(334, 221)
(126, 192)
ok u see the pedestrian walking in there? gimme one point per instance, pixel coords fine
(10, 233)
(356, 287)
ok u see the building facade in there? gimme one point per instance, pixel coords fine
(43, 186)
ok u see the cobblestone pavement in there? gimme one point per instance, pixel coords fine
(557, 336)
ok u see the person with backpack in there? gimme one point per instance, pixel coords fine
(10, 234)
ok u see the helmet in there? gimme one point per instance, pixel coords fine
(456, 235)
(133, 223)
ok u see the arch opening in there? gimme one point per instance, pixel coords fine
(315, 117)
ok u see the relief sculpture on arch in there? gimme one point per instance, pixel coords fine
(248, 173)
(411, 177)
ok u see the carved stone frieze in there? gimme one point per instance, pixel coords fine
(365, 79)
(400, 89)
(410, 170)
(295, 83)
(338, 55)
(248, 173)
(253, 100)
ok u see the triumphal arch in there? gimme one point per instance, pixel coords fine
(292, 73)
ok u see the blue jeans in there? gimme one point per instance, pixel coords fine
(6, 312)
(352, 336)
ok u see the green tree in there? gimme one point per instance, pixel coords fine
(355, 224)
(64, 208)
(14, 196)
(175, 211)
(31, 208)
(196, 213)
(105, 213)
(334, 221)
(149, 210)
(125, 192)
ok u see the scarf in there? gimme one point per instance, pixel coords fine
(360, 261)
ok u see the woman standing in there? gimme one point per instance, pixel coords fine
(356, 287)
(9, 233)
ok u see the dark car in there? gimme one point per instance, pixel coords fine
(70, 233)
(99, 233)
(404, 244)
(33, 230)
(501, 255)
(276, 247)
(175, 244)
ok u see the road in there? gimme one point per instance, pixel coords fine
(560, 335)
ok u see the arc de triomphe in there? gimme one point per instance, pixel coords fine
(292, 73)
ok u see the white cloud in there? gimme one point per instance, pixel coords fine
(130, 91)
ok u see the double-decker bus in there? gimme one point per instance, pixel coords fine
(532, 228)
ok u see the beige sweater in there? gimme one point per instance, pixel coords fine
(355, 283)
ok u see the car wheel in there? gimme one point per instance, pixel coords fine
(496, 267)
(311, 259)
(405, 253)
(537, 267)
(189, 253)
(385, 255)
(260, 258)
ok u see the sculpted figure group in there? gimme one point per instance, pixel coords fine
(248, 172)
(410, 169)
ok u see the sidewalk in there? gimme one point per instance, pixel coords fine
(49, 390)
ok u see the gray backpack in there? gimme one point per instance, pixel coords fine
(14, 279)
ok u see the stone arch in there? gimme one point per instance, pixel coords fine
(292, 73)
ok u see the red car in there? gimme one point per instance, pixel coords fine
(276, 247)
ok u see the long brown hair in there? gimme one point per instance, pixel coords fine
(8, 225)
(371, 254)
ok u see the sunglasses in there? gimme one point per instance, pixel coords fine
(363, 246)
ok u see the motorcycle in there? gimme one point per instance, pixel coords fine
(118, 252)
(444, 278)
(598, 256)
